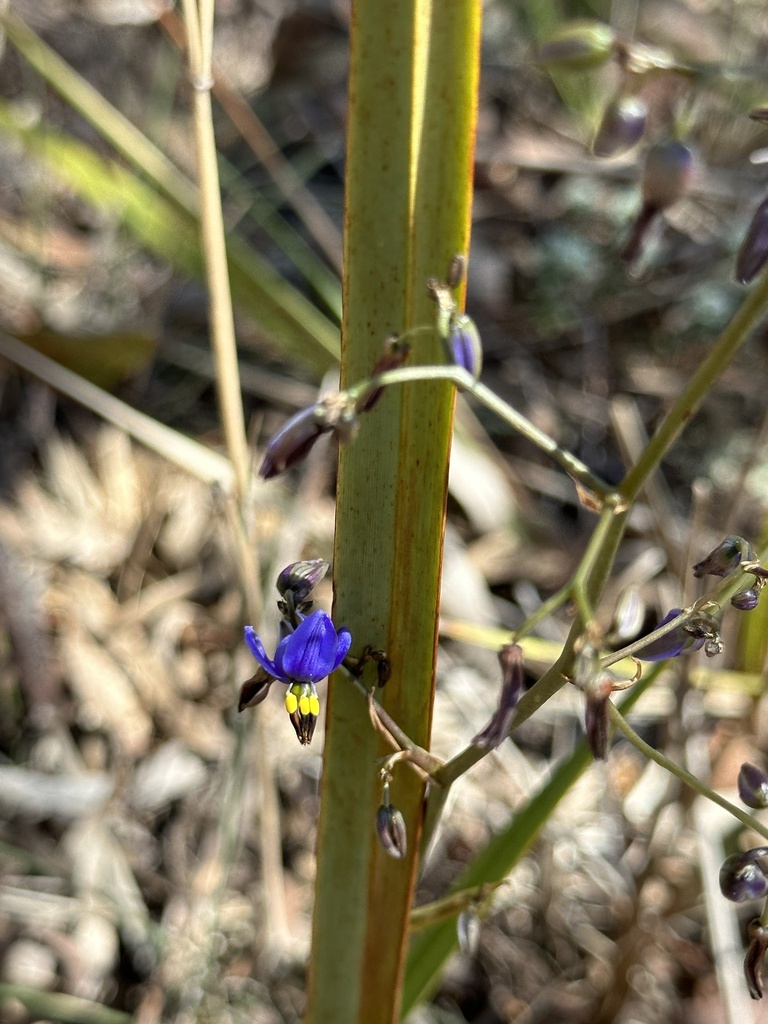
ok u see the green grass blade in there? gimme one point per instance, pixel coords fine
(432, 947)
(287, 318)
(413, 89)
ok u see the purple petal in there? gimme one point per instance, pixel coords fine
(669, 646)
(257, 650)
(310, 653)
(342, 646)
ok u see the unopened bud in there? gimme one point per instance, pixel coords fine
(753, 786)
(463, 344)
(390, 830)
(753, 252)
(746, 600)
(300, 578)
(621, 127)
(753, 961)
(667, 173)
(725, 558)
(743, 875)
(512, 679)
(396, 351)
(296, 437)
(577, 46)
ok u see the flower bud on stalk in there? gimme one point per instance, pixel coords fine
(296, 437)
(667, 173)
(468, 932)
(621, 127)
(497, 730)
(753, 252)
(753, 961)
(390, 830)
(463, 344)
(746, 600)
(725, 558)
(396, 350)
(753, 786)
(743, 875)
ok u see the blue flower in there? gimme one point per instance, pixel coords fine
(309, 654)
(302, 658)
(676, 642)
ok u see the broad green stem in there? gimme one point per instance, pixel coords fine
(681, 773)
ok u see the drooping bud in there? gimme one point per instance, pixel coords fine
(667, 173)
(390, 830)
(746, 600)
(753, 252)
(468, 931)
(512, 679)
(753, 786)
(577, 46)
(299, 579)
(753, 961)
(296, 437)
(725, 558)
(621, 127)
(743, 875)
(463, 344)
(396, 351)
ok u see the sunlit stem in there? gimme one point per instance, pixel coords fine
(466, 382)
(681, 773)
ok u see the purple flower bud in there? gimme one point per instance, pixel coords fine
(296, 437)
(753, 253)
(672, 644)
(390, 830)
(294, 440)
(463, 344)
(578, 45)
(395, 353)
(597, 693)
(746, 600)
(753, 786)
(497, 729)
(621, 127)
(300, 578)
(743, 875)
(725, 558)
(667, 173)
(753, 961)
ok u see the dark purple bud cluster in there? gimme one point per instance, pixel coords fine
(730, 555)
(310, 648)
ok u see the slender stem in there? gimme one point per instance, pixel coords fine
(685, 776)
(746, 319)
(449, 906)
(466, 382)
(544, 610)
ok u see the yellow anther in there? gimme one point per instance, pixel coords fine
(314, 706)
(291, 703)
(304, 706)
